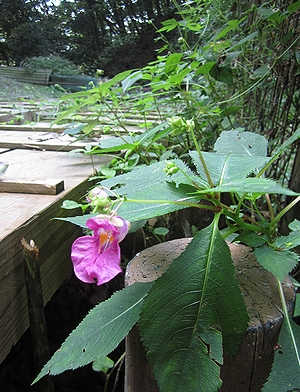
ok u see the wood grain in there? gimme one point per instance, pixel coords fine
(48, 187)
(32, 216)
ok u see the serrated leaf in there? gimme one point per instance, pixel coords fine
(226, 167)
(155, 201)
(100, 332)
(294, 225)
(279, 262)
(252, 185)
(251, 239)
(180, 318)
(285, 374)
(289, 241)
(241, 143)
(142, 179)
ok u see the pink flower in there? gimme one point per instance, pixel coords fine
(96, 258)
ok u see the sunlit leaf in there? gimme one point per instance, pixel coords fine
(241, 143)
(224, 168)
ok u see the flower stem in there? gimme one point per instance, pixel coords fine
(284, 211)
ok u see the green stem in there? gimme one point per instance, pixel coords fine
(201, 158)
(287, 319)
(284, 211)
(114, 367)
(247, 226)
(263, 77)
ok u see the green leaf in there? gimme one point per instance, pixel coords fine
(149, 202)
(248, 38)
(241, 143)
(231, 25)
(252, 185)
(78, 220)
(70, 205)
(161, 231)
(285, 374)
(294, 225)
(172, 62)
(142, 179)
(115, 144)
(261, 71)
(278, 262)
(205, 68)
(289, 241)
(130, 80)
(282, 148)
(222, 74)
(251, 239)
(186, 306)
(168, 25)
(102, 364)
(226, 168)
(100, 332)
(297, 306)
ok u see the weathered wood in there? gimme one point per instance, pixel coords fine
(47, 187)
(248, 369)
(37, 320)
(46, 140)
(17, 117)
(32, 216)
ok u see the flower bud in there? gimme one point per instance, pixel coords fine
(99, 200)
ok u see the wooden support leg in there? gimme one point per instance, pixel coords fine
(36, 313)
(249, 368)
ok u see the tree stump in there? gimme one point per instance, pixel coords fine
(249, 368)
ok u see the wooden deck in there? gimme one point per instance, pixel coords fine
(31, 216)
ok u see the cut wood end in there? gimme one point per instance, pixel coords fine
(41, 187)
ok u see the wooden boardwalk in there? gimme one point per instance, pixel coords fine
(35, 165)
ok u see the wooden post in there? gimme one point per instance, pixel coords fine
(250, 367)
(36, 313)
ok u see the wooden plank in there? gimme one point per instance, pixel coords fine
(49, 187)
(31, 216)
(17, 117)
(34, 126)
(48, 141)
(2, 150)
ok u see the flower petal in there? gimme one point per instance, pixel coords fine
(96, 258)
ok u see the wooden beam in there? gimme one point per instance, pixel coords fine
(48, 187)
